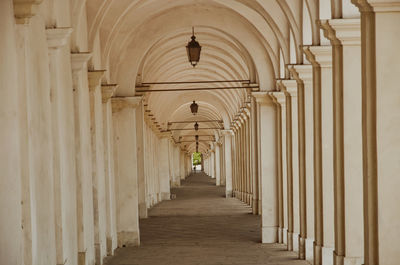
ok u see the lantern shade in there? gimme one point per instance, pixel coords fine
(196, 126)
(197, 137)
(194, 107)
(193, 50)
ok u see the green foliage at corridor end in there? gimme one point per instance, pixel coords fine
(196, 158)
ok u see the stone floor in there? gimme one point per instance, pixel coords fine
(202, 227)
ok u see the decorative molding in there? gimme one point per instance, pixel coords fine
(262, 97)
(107, 91)
(79, 60)
(302, 73)
(346, 32)
(329, 32)
(377, 6)
(58, 37)
(121, 103)
(25, 9)
(289, 86)
(319, 55)
(280, 98)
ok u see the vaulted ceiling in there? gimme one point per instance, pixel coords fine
(142, 41)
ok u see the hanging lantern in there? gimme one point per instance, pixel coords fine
(196, 126)
(197, 138)
(194, 107)
(193, 50)
(197, 149)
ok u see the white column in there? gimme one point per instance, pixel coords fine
(321, 56)
(228, 162)
(177, 167)
(124, 117)
(304, 74)
(37, 148)
(99, 191)
(83, 158)
(269, 176)
(380, 35)
(142, 152)
(63, 144)
(111, 231)
(217, 165)
(290, 87)
(345, 37)
(164, 167)
(11, 241)
(281, 100)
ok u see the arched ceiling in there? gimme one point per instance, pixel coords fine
(144, 41)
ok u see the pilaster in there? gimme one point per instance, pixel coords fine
(321, 59)
(303, 75)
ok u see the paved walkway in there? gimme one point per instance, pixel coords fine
(202, 227)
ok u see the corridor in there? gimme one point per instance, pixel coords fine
(201, 226)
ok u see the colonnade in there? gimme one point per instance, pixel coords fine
(327, 166)
(83, 165)
(316, 155)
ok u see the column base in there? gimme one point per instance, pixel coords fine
(128, 239)
(228, 193)
(165, 196)
(280, 235)
(342, 260)
(142, 210)
(255, 206)
(97, 253)
(269, 234)
(82, 258)
(310, 249)
(317, 254)
(110, 250)
(302, 248)
(295, 242)
(327, 256)
(284, 236)
(290, 241)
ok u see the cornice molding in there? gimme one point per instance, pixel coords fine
(302, 73)
(346, 32)
(319, 55)
(121, 103)
(290, 87)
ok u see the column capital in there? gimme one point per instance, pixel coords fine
(94, 77)
(107, 91)
(25, 9)
(319, 55)
(58, 37)
(121, 103)
(377, 6)
(280, 98)
(303, 73)
(346, 32)
(79, 60)
(289, 86)
(262, 97)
